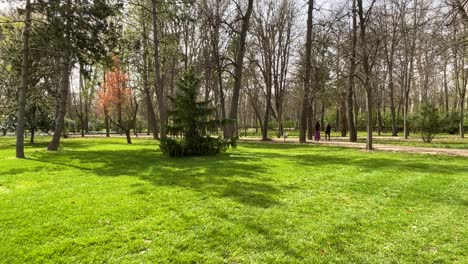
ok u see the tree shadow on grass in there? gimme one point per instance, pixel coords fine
(240, 178)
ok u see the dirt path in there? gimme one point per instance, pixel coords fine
(379, 147)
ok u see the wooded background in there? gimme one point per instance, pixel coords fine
(110, 66)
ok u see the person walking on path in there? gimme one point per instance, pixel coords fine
(317, 132)
(327, 132)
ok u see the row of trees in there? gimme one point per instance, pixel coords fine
(262, 64)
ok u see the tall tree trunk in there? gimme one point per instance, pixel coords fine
(82, 125)
(462, 116)
(446, 93)
(379, 119)
(157, 71)
(322, 115)
(148, 95)
(409, 75)
(406, 98)
(230, 129)
(310, 121)
(343, 119)
(219, 67)
(107, 122)
(65, 87)
(33, 127)
(266, 118)
(367, 72)
(33, 133)
(392, 104)
(369, 107)
(22, 93)
(306, 103)
(352, 70)
(338, 118)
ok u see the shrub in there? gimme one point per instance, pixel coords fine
(69, 127)
(427, 121)
(7, 124)
(451, 123)
(201, 147)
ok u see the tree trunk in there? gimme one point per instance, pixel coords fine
(62, 110)
(462, 115)
(152, 124)
(367, 72)
(230, 129)
(33, 132)
(22, 93)
(81, 102)
(322, 115)
(310, 121)
(127, 135)
(157, 70)
(349, 92)
(369, 120)
(392, 106)
(306, 103)
(446, 93)
(379, 119)
(219, 69)
(266, 116)
(343, 118)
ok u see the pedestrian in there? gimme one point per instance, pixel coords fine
(317, 132)
(327, 131)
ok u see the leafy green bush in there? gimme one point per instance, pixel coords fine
(8, 123)
(201, 147)
(97, 125)
(69, 127)
(451, 122)
(427, 121)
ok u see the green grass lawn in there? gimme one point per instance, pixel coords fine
(102, 201)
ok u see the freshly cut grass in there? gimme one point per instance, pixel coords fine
(102, 201)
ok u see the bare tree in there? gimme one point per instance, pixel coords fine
(239, 66)
(306, 103)
(157, 71)
(367, 69)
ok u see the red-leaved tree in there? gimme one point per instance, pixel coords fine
(118, 102)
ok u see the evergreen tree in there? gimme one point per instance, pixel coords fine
(192, 120)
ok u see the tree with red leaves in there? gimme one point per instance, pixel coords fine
(118, 102)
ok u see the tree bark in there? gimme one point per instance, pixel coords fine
(82, 125)
(127, 136)
(217, 58)
(343, 119)
(157, 70)
(367, 72)
(310, 121)
(22, 93)
(65, 87)
(230, 129)
(352, 70)
(306, 103)
(148, 95)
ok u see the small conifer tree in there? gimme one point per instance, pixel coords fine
(193, 120)
(428, 121)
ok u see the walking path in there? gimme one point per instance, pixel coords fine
(379, 147)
